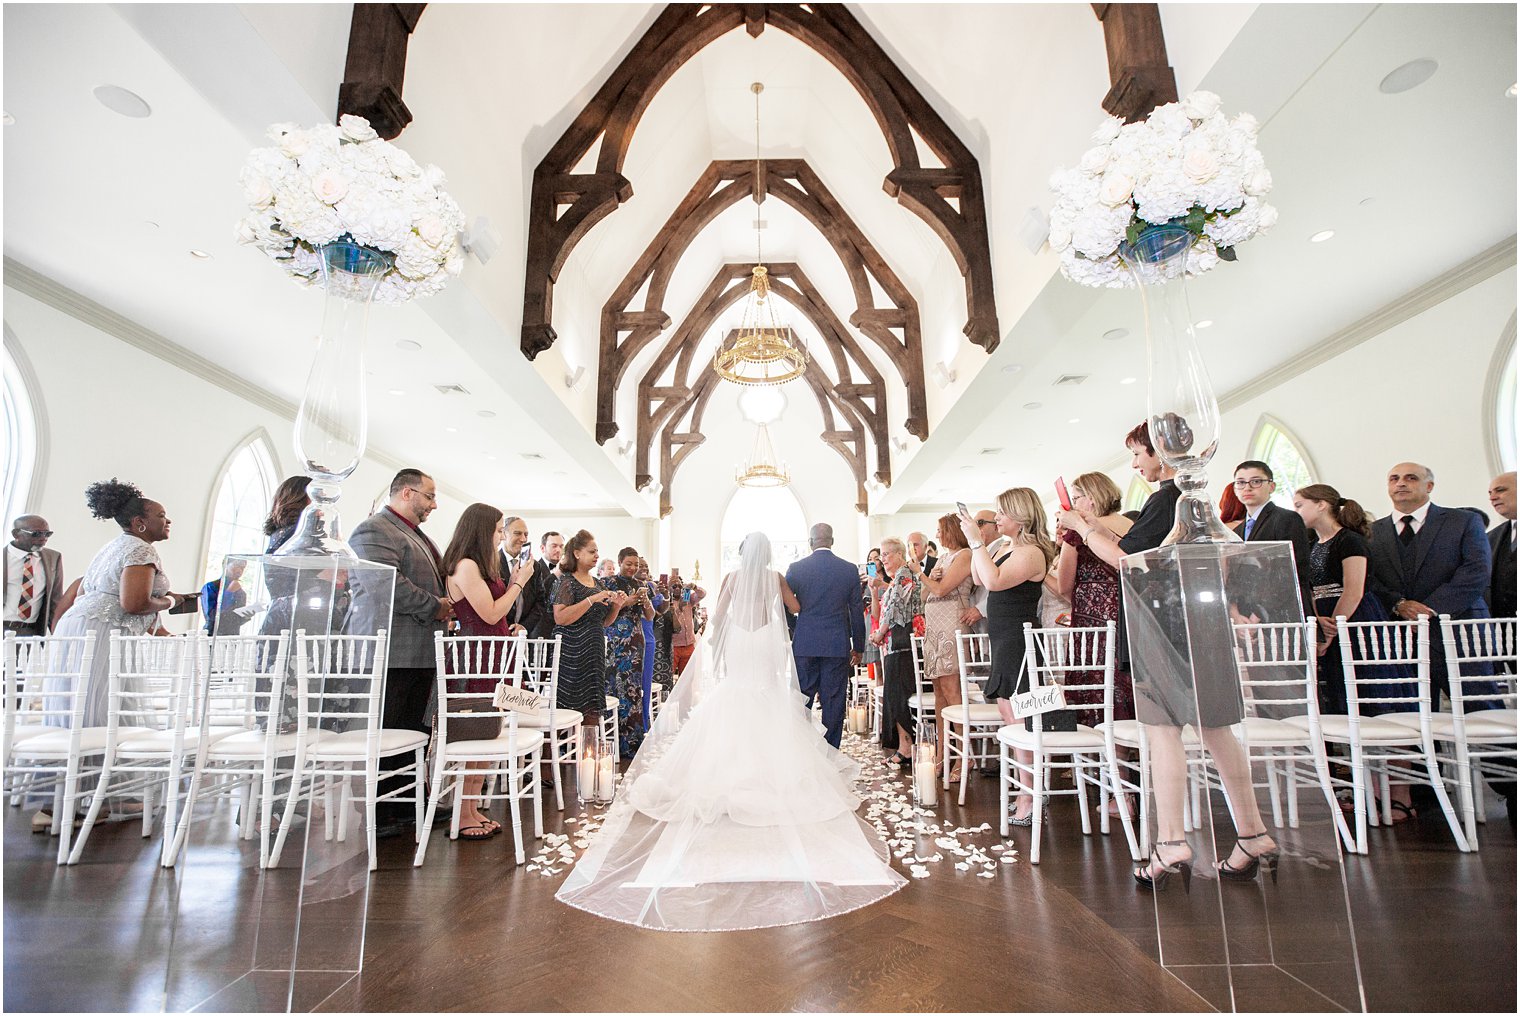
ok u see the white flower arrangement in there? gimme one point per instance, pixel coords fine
(1184, 165)
(342, 182)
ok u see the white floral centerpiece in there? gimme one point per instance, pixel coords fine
(332, 182)
(1186, 165)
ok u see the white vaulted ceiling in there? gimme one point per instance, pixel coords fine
(492, 87)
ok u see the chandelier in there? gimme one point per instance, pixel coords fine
(762, 469)
(763, 351)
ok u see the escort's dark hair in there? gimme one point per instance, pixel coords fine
(543, 541)
(626, 553)
(290, 498)
(475, 538)
(1342, 509)
(1257, 464)
(1141, 436)
(113, 499)
(406, 478)
(573, 546)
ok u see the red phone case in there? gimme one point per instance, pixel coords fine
(1061, 493)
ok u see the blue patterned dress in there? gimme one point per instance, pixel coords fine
(625, 666)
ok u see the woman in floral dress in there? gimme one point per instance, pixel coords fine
(625, 652)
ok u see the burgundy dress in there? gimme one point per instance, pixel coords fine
(471, 624)
(1094, 603)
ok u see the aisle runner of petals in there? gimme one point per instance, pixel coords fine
(916, 836)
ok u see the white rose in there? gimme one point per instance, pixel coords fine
(279, 130)
(1246, 123)
(1095, 159)
(1116, 189)
(1060, 238)
(356, 128)
(245, 232)
(295, 144)
(257, 190)
(431, 229)
(1200, 164)
(1266, 218)
(433, 176)
(329, 186)
(1108, 130)
(1200, 105)
(1257, 182)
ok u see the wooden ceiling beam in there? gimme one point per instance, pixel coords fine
(375, 68)
(1140, 76)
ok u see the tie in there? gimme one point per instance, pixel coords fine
(1406, 535)
(1250, 525)
(28, 588)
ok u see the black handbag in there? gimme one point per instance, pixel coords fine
(473, 728)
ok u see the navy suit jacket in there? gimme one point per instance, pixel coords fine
(831, 622)
(1452, 565)
(1278, 523)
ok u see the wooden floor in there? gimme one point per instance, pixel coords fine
(1435, 931)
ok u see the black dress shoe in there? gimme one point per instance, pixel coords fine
(391, 830)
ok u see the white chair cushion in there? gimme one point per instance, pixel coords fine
(1375, 730)
(1127, 733)
(1262, 732)
(612, 702)
(25, 731)
(55, 743)
(249, 744)
(924, 702)
(562, 718)
(161, 742)
(1084, 738)
(979, 712)
(351, 744)
(500, 747)
(1487, 723)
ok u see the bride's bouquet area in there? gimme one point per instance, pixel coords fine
(1186, 165)
(332, 182)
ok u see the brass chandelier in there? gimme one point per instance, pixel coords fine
(763, 351)
(762, 469)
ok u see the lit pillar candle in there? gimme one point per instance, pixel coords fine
(605, 778)
(925, 786)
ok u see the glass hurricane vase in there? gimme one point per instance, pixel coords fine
(332, 425)
(1180, 404)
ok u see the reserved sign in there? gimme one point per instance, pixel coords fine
(1041, 700)
(517, 700)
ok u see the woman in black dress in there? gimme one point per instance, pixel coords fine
(901, 602)
(1014, 582)
(1164, 710)
(582, 610)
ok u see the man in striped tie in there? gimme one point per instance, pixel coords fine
(33, 578)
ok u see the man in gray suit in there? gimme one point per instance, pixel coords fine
(393, 536)
(33, 578)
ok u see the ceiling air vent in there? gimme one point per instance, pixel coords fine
(992, 451)
(1071, 379)
(452, 389)
(532, 456)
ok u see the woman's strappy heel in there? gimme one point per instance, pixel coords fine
(1266, 860)
(1156, 883)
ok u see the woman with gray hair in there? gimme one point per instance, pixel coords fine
(900, 604)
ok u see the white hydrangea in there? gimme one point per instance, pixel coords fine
(320, 184)
(1185, 164)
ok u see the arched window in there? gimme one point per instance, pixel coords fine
(1503, 405)
(1278, 448)
(773, 511)
(241, 504)
(20, 437)
(1134, 497)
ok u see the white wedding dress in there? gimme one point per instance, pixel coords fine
(736, 813)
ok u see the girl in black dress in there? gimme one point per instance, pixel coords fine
(1014, 582)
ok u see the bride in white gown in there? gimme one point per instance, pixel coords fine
(736, 813)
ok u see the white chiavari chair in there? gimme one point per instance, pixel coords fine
(540, 674)
(974, 721)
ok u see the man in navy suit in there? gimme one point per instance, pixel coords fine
(1255, 485)
(1429, 560)
(831, 627)
(1501, 544)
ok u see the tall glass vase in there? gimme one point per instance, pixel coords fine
(332, 425)
(1180, 404)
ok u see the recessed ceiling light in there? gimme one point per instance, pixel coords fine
(485, 414)
(6, 118)
(398, 391)
(1509, 93)
(452, 430)
(1127, 380)
(1075, 419)
(1012, 368)
(1410, 75)
(1114, 334)
(1032, 405)
(490, 457)
(1322, 236)
(199, 255)
(1205, 323)
(967, 467)
(119, 100)
(410, 345)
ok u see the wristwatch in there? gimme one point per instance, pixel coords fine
(978, 545)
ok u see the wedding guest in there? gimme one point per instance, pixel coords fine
(124, 589)
(1092, 586)
(1254, 484)
(33, 578)
(870, 573)
(418, 607)
(901, 601)
(948, 589)
(918, 551)
(530, 609)
(656, 603)
(607, 569)
(1338, 571)
(483, 600)
(224, 600)
(1159, 708)
(288, 610)
(1501, 544)
(664, 630)
(551, 548)
(582, 611)
(1014, 581)
(975, 618)
(683, 637)
(1231, 512)
(625, 651)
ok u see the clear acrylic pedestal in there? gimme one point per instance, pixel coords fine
(1253, 945)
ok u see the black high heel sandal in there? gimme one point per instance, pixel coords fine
(1156, 883)
(1266, 860)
